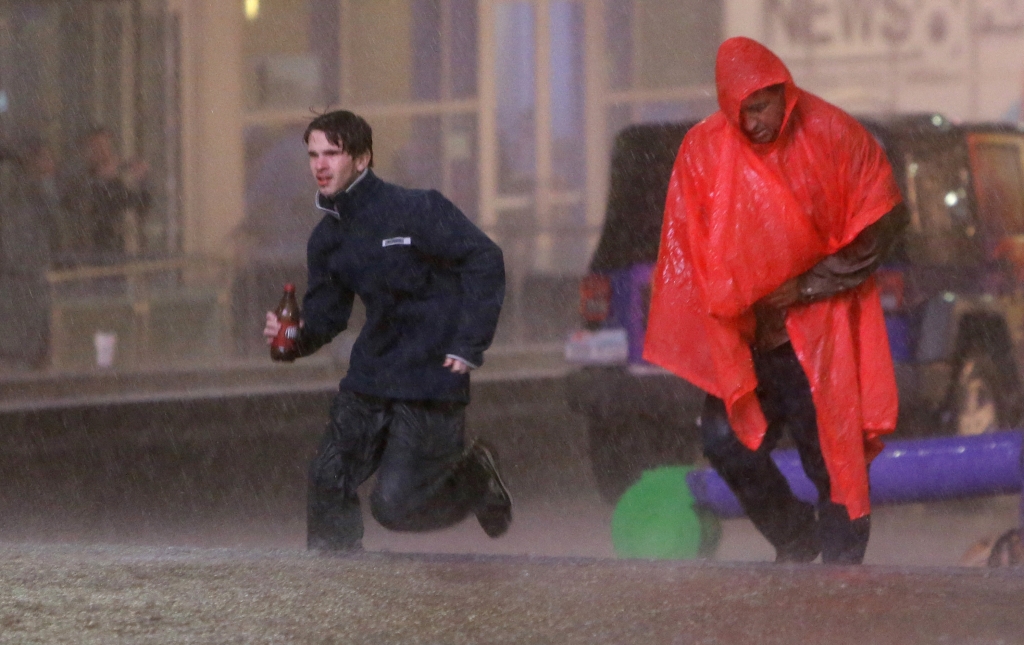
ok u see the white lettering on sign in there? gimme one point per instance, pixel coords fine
(922, 32)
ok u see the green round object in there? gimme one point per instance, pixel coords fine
(655, 518)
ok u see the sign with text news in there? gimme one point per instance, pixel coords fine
(922, 36)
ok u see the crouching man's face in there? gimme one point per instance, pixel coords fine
(332, 167)
(762, 113)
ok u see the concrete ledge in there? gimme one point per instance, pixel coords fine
(318, 373)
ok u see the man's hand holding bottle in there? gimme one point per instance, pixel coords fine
(282, 327)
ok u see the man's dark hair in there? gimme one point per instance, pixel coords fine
(347, 130)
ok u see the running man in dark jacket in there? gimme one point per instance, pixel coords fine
(432, 284)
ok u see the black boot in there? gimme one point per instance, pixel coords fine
(494, 511)
(844, 541)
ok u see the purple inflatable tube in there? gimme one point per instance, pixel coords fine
(907, 471)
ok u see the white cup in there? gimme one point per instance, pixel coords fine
(106, 346)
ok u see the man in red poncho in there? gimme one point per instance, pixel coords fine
(779, 209)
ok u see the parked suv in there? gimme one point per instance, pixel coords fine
(951, 291)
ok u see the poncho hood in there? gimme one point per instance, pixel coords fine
(745, 66)
(743, 218)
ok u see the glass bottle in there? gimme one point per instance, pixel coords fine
(284, 346)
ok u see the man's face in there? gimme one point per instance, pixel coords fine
(99, 151)
(332, 167)
(762, 113)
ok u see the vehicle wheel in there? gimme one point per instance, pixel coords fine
(978, 401)
(622, 449)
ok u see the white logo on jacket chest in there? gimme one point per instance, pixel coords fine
(397, 241)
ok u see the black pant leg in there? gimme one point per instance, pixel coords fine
(753, 477)
(425, 480)
(843, 541)
(349, 452)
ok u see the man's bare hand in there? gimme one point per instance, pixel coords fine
(134, 173)
(457, 366)
(272, 327)
(786, 295)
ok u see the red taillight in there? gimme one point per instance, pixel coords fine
(890, 289)
(595, 298)
(1011, 250)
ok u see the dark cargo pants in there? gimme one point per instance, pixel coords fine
(785, 397)
(417, 448)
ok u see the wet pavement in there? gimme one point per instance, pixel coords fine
(153, 595)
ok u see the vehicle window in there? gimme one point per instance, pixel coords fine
(641, 165)
(999, 185)
(941, 227)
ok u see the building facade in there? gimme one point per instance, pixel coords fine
(509, 107)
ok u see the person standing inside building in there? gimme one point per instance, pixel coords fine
(33, 230)
(432, 284)
(779, 209)
(109, 202)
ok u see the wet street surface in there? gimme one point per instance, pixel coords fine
(171, 522)
(152, 595)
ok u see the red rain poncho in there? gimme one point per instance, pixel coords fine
(741, 219)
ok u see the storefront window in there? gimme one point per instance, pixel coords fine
(290, 54)
(408, 50)
(661, 58)
(70, 68)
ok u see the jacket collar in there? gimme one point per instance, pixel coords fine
(350, 197)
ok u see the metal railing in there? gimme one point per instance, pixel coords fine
(200, 311)
(156, 312)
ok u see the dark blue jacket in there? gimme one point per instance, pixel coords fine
(432, 284)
